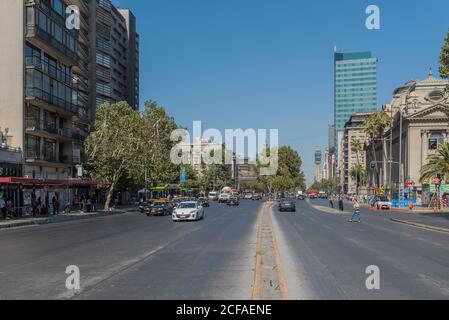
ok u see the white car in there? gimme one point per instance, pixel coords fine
(248, 196)
(213, 196)
(382, 203)
(188, 211)
(224, 197)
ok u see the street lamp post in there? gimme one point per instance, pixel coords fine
(400, 157)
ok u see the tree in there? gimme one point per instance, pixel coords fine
(356, 147)
(358, 173)
(289, 175)
(216, 176)
(444, 58)
(437, 164)
(375, 126)
(157, 127)
(114, 146)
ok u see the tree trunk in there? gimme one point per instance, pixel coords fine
(109, 197)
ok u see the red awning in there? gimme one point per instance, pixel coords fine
(49, 182)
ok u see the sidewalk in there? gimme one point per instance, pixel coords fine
(76, 215)
(427, 219)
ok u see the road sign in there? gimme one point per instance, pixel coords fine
(183, 177)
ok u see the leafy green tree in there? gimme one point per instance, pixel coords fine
(216, 176)
(436, 164)
(444, 58)
(156, 132)
(114, 146)
(289, 175)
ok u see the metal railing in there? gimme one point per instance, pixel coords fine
(37, 93)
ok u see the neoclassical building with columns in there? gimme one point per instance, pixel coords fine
(420, 109)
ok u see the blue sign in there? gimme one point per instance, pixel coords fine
(183, 175)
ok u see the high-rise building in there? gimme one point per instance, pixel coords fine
(355, 88)
(53, 75)
(115, 60)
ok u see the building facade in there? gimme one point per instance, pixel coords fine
(318, 162)
(51, 75)
(355, 88)
(419, 108)
(354, 131)
(115, 62)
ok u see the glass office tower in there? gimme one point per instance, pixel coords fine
(355, 87)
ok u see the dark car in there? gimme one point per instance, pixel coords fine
(159, 208)
(204, 202)
(287, 204)
(233, 201)
(145, 204)
(301, 197)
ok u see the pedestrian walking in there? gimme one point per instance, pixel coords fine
(331, 201)
(54, 202)
(9, 208)
(356, 214)
(3, 210)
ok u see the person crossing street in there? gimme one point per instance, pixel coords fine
(356, 214)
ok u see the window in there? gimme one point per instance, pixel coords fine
(435, 140)
(57, 6)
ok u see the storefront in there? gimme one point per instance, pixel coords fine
(10, 166)
(37, 194)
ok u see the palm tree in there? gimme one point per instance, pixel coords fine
(356, 147)
(375, 126)
(358, 173)
(437, 164)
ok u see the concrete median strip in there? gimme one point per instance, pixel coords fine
(269, 277)
(327, 209)
(421, 226)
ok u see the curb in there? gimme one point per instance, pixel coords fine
(422, 226)
(61, 220)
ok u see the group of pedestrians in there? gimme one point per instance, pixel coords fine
(88, 203)
(6, 208)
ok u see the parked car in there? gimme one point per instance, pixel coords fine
(159, 208)
(287, 204)
(188, 211)
(382, 203)
(233, 201)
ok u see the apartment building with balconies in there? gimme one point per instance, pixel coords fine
(116, 48)
(53, 77)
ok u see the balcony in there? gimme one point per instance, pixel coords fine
(47, 129)
(80, 133)
(32, 156)
(50, 101)
(54, 73)
(42, 39)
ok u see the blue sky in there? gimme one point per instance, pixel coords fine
(268, 63)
